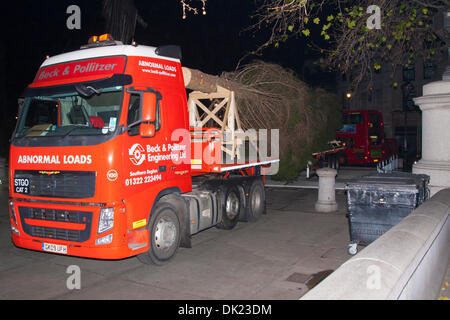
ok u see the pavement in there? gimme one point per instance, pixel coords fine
(280, 257)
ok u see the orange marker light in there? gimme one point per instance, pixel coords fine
(105, 37)
(93, 39)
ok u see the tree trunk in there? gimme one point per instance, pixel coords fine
(199, 81)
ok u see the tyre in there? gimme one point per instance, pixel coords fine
(231, 207)
(164, 233)
(256, 200)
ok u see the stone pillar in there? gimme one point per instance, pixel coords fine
(435, 162)
(327, 195)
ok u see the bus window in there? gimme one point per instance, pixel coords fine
(374, 118)
(375, 128)
(352, 118)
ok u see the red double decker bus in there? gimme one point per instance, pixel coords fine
(362, 134)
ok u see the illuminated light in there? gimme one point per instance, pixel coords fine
(375, 160)
(15, 230)
(105, 37)
(12, 211)
(348, 95)
(365, 158)
(93, 39)
(382, 124)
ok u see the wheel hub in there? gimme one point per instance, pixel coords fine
(165, 234)
(232, 205)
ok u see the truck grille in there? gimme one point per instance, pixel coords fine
(56, 184)
(39, 214)
(53, 233)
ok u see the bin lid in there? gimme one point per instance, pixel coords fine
(423, 178)
(387, 182)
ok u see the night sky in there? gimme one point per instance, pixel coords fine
(212, 43)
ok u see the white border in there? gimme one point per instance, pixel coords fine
(223, 169)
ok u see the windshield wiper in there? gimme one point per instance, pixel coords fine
(72, 129)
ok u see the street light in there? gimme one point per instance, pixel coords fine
(346, 100)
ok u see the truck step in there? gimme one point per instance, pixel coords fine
(136, 246)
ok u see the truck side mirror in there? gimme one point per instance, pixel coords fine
(149, 107)
(147, 128)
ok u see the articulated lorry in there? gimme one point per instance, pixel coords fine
(109, 159)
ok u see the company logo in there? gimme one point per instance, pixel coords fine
(112, 175)
(81, 68)
(137, 154)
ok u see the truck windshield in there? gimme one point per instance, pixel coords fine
(71, 113)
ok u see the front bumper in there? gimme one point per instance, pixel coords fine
(72, 226)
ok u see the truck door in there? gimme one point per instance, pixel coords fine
(149, 154)
(144, 161)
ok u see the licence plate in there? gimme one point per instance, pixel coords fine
(375, 153)
(55, 248)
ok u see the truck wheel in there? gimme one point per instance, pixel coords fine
(231, 207)
(164, 229)
(256, 200)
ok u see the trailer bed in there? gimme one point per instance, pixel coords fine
(208, 153)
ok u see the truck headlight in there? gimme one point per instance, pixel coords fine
(15, 230)
(106, 220)
(12, 212)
